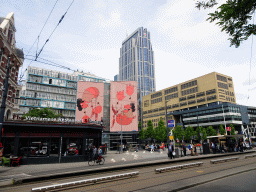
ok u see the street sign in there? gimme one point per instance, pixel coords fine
(228, 128)
(171, 123)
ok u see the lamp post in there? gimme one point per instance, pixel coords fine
(3, 106)
(224, 120)
(167, 122)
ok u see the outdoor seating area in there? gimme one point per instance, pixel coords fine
(11, 161)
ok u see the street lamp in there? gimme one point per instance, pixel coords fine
(3, 106)
(168, 140)
(224, 120)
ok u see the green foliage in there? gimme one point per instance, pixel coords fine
(150, 130)
(232, 132)
(233, 17)
(210, 131)
(161, 131)
(201, 130)
(142, 134)
(43, 113)
(222, 130)
(178, 132)
(189, 131)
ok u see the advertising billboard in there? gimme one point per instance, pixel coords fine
(90, 97)
(123, 106)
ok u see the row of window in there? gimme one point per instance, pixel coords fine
(213, 119)
(209, 92)
(156, 100)
(189, 84)
(46, 89)
(213, 111)
(171, 90)
(50, 73)
(222, 78)
(222, 85)
(47, 103)
(189, 91)
(156, 95)
(172, 96)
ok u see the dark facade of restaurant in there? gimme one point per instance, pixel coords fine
(40, 143)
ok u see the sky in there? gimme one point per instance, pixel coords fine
(90, 36)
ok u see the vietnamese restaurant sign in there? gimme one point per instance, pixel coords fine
(60, 120)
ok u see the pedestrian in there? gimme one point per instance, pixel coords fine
(136, 148)
(192, 149)
(195, 149)
(152, 148)
(94, 154)
(171, 150)
(213, 148)
(184, 149)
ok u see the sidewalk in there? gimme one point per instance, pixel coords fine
(113, 159)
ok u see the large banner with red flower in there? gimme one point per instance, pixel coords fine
(123, 106)
(89, 101)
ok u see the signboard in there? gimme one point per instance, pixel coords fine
(228, 128)
(171, 137)
(171, 123)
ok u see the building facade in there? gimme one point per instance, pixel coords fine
(12, 58)
(55, 89)
(116, 77)
(193, 94)
(137, 63)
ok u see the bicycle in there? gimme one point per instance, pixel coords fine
(92, 160)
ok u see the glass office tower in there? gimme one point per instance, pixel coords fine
(136, 62)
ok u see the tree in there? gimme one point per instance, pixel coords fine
(142, 134)
(189, 131)
(203, 131)
(211, 131)
(178, 132)
(232, 132)
(139, 126)
(233, 18)
(161, 131)
(222, 130)
(150, 133)
(43, 113)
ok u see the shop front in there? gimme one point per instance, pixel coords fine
(39, 143)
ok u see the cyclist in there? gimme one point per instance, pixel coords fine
(99, 155)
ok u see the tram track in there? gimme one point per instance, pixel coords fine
(147, 175)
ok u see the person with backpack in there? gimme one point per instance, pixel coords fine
(213, 148)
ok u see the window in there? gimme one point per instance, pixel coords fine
(210, 91)
(182, 98)
(222, 85)
(175, 105)
(50, 81)
(171, 90)
(182, 104)
(189, 91)
(191, 102)
(200, 94)
(146, 103)
(174, 95)
(189, 84)
(191, 96)
(221, 78)
(156, 95)
(211, 97)
(230, 85)
(200, 100)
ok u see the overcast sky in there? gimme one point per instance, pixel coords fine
(90, 37)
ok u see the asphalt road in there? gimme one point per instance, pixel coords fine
(148, 180)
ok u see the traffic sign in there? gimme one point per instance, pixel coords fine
(171, 137)
(228, 128)
(171, 123)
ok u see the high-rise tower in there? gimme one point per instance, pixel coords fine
(136, 62)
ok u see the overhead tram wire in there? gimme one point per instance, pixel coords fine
(54, 30)
(37, 39)
(49, 36)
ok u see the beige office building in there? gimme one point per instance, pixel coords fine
(203, 91)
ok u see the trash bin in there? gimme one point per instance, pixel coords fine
(177, 153)
(206, 149)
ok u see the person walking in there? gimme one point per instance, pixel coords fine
(94, 154)
(171, 150)
(213, 148)
(184, 149)
(194, 145)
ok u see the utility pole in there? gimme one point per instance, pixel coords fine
(224, 120)
(3, 106)
(168, 141)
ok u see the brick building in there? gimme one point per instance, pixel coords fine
(8, 51)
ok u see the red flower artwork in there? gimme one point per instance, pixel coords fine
(129, 89)
(120, 95)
